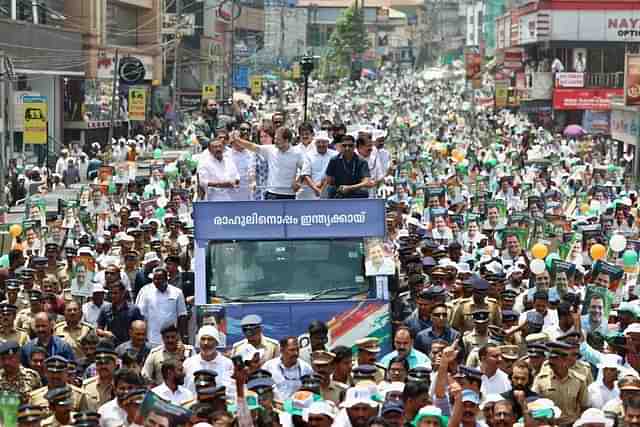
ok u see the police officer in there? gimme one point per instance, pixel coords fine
(479, 336)
(31, 415)
(461, 318)
(8, 332)
(86, 419)
(322, 363)
(60, 403)
(25, 317)
(57, 377)
(171, 347)
(566, 388)
(14, 376)
(368, 349)
(204, 380)
(72, 329)
(100, 387)
(252, 329)
(420, 319)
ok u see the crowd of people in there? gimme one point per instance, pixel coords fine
(515, 256)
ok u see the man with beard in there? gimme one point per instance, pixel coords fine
(171, 348)
(207, 123)
(404, 346)
(287, 370)
(521, 380)
(172, 389)
(217, 173)
(360, 407)
(100, 387)
(114, 411)
(208, 358)
(503, 414)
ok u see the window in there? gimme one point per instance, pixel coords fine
(286, 270)
(49, 11)
(122, 25)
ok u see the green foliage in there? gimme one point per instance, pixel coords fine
(348, 38)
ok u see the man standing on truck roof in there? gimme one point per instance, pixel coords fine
(252, 329)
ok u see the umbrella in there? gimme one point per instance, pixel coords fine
(574, 131)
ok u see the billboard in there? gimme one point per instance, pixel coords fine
(585, 99)
(35, 119)
(632, 80)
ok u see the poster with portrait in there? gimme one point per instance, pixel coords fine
(579, 60)
(148, 208)
(83, 273)
(159, 412)
(378, 261)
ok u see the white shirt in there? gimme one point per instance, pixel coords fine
(385, 158)
(287, 380)
(214, 170)
(315, 167)
(182, 394)
(498, 383)
(550, 319)
(600, 394)
(160, 309)
(245, 162)
(221, 365)
(283, 167)
(111, 414)
(90, 312)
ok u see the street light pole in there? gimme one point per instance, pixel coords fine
(306, 65)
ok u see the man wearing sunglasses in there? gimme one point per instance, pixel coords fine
(347, 173)
(252, 330)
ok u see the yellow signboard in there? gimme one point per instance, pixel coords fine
(209, 90)
(137, 103)
(296, 72)
(502, 93)
(35, 119)
(256, 85)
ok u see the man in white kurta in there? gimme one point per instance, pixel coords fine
(217, 174)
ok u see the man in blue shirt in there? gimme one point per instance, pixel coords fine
(55, 346)
(403, 344)
(439, 330)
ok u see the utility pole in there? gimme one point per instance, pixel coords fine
(3, 127)
(233, 46)
(281, 58)
(176, 62)
(114, 96)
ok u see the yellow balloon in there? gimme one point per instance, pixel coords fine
(597, 251)
(539, 251)
(15, 230)
(584, 208)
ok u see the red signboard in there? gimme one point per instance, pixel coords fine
(584, 99)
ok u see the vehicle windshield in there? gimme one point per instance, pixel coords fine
(286, 270)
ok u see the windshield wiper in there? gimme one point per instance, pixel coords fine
(357, 289)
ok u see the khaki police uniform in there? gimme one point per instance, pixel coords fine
(152, 369)
(73, 335)
(270, 347)
(462, 319)
(334, 392)
(16, 335)
(98, 392)
(81, 400)
(51, 421)
(23, 383)
(472, 342)
(569, 394)
(24, 321)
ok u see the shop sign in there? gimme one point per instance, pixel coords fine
(569, 80)
(502, 93)
(585, 99)
(106, 62)
(632, 80)
(137, 103)
(35, 119)
(625, 126)
(209, 90)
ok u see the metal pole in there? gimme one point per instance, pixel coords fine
(306, 90)
(281, 57)
(113, 97)
(3, 104)
(233, 45)
(176, 62)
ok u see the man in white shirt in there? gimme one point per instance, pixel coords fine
(162, 304)
(284, 162)
(383, 153)
(113, 413)
(314, 168)
(209, 358)
(172, 388)
(217, 173)
(245, 162)
(541, 306)
(91, 309)
(288, 369)
(605, 388)
(494, 380)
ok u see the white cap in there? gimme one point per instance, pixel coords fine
(633, 328)
(610, 360)
(386, 387)
(150, 257)
(209, 331)
(320, 407)
(593, 416)
(97, 287)
(490, 398)
(321, 136)
(359, 395)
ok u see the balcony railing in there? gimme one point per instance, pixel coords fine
(605, 80)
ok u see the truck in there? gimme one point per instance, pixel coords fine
(291, 262)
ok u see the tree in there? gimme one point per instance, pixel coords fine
(348, 38)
